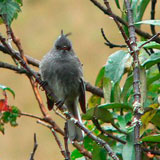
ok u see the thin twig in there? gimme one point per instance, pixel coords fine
(14, 68)
(118, 129)
(66, 142)
(118, 25)
(34, 148)
(149, 40)
(153, 6)
(92, 136)
(98, 126)
(156, 152)
(55, 136)
(108, 43)
(31, 115)
(119, 19)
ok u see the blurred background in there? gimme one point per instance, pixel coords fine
(38, 26)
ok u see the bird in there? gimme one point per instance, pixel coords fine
(61, 69)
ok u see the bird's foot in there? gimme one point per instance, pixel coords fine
(42, 84)
(60, 103)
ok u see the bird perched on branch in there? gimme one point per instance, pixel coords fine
(62, 71)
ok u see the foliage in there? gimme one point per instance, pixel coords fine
(8, 114)
(9, 10)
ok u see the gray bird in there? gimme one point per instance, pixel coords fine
(62, 71)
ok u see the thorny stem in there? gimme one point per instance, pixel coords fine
(138, 31)
(138, 110)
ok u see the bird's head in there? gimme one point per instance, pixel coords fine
(63, 43)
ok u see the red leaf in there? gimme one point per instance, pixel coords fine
(4, 106)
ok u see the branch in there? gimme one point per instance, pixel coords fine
(138, 109)
(149, 40)
(98, 140)
(153, 5)
(98, 126)
(14, 68)
(107, 12)
(34, 148)
(55, 136)
(108, 43)
(66, 141)
(118, 24)
(94, 90)
(156, 152)
(30, 60)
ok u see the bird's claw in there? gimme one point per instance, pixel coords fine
(42, 85)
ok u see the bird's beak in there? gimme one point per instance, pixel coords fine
(64, 48)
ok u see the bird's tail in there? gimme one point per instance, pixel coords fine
(75, 133)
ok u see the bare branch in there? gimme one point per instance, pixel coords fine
(14, 68)
(108, 43)
(55, 136)
(34, 148)
(153, 6)
(107, 12)
(149, 40)
(66, 142)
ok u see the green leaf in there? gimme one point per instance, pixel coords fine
(94, 101)
(154, 59)
(19, 1)
(116, 106)
(107, 87)
(141, 9)
(146, 118)
(128, 149)
(6, 117)
(126, 87)
(99, 113)
(99, 153)
(128, 117)
(76, 154)
(117, 4)
(2, 128)
(116, 93)
(4, 88)
(152, 80)
(9, 10)
(143, 85)
(155, 119)
(88, 143)
(151, 44)
(100, 76)
(122, 123)
(153, 138)
(115, 66)
(150, 22)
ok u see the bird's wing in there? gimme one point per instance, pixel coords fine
(82, 97)
(50, 102)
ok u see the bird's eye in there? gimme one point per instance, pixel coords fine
(58, 47)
